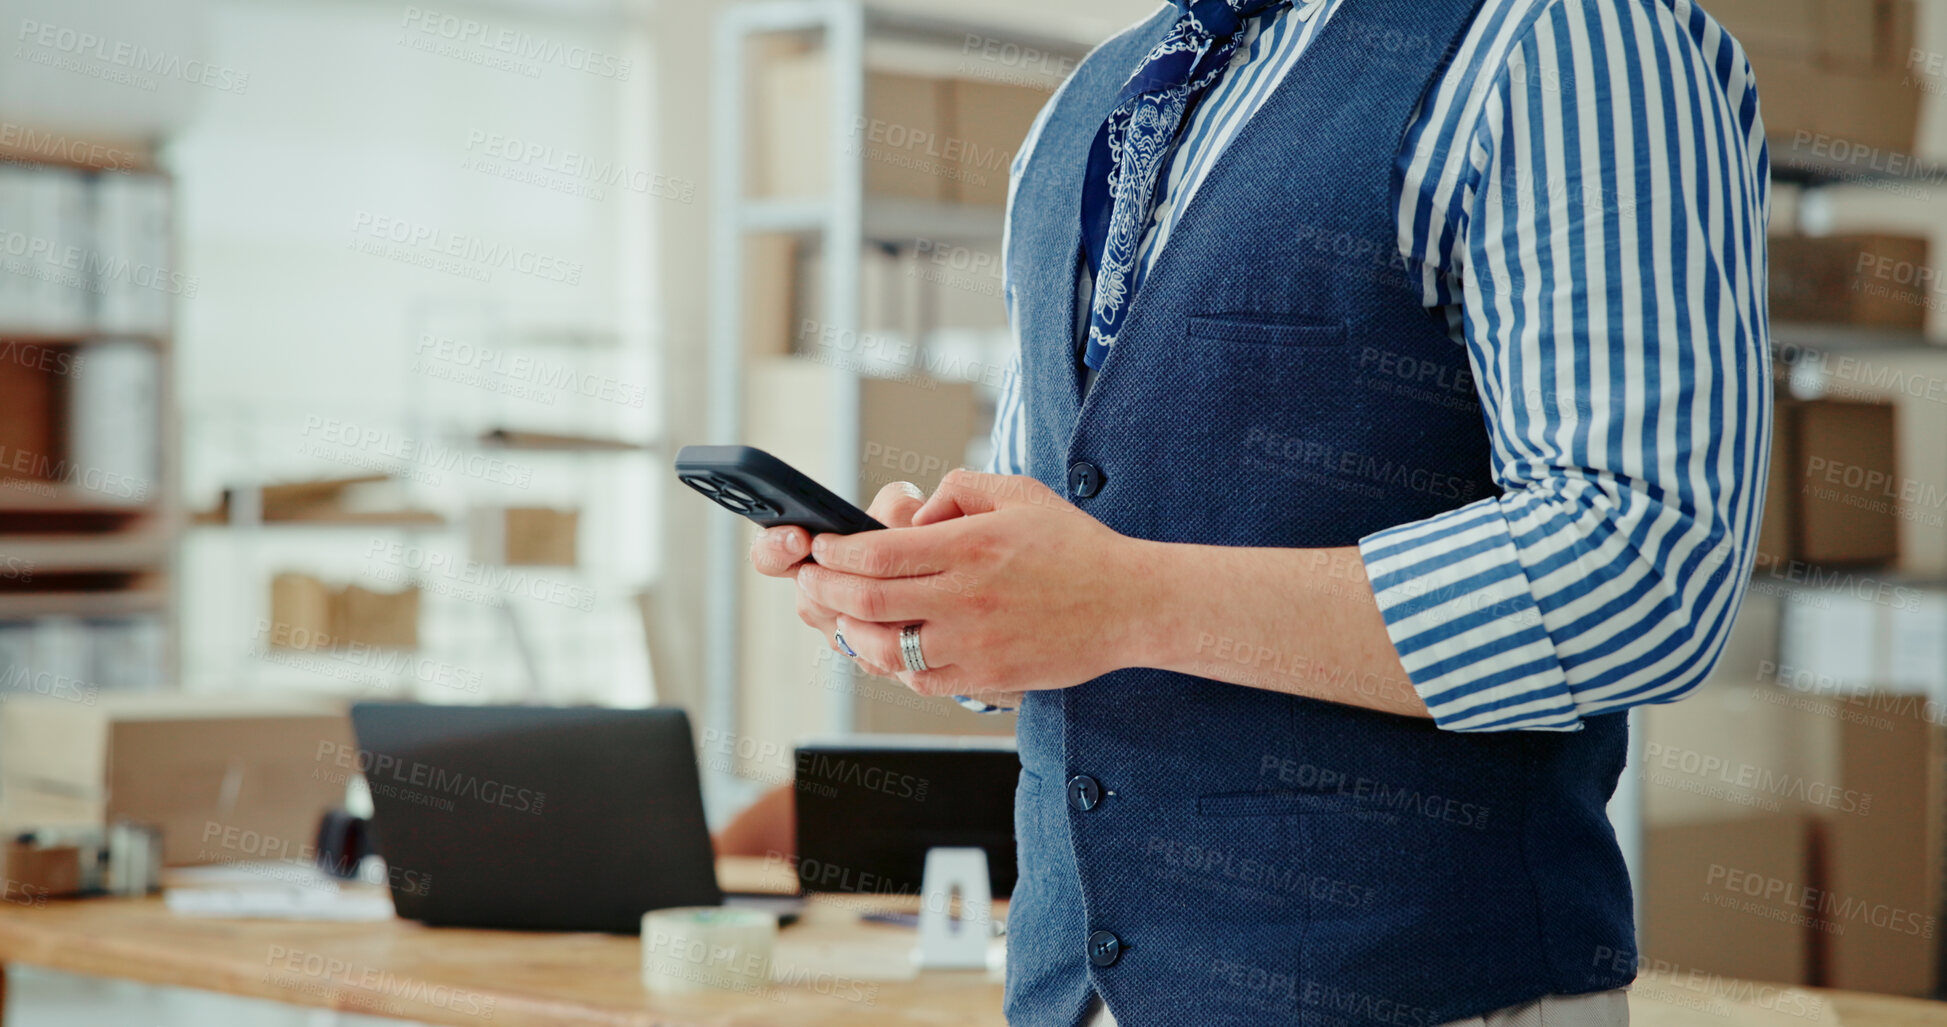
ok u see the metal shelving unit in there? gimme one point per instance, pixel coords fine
(1815, 177)
(457, 420)
(840, 224)
(62, 527)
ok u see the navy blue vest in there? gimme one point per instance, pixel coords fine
(1205, 854)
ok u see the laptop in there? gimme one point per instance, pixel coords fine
(532, 817)
(869, 808)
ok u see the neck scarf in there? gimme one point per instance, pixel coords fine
(1136, 141)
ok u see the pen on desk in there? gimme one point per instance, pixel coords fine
(912, 920)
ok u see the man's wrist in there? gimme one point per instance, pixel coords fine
(1151, 602)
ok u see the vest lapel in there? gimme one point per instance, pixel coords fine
(1050, 194)
(1324, 91)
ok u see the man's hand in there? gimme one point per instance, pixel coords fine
(1014, 589)
(781, 553)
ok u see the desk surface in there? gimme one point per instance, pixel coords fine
(853, 974)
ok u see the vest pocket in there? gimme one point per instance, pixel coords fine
(1265, 331)
(1272, 804)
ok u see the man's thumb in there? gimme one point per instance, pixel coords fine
(962, 493)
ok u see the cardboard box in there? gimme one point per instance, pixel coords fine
(382, 620)
(1845, 483)
(1833, 495)
(1779, 527)
(32, 410)
(1782, 27)
(1698, 910)
(1914, 380)
(1834, 68)
(301, 612)
(770, 294)
(990, 122)
(1866, 36)
(902, 142)
(1791, 93)
(1867, 281)
(31, 873)
(1849, 36)
(924, 138)
(1854, 35)
(224, 778)
(1865, 772)
(1879, 110)
(909, 430)
(1884, 866)
(541, 537)
(525, 536)
(890, 314)
(1736, 748)
(306, 613)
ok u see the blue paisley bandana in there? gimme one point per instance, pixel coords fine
(1135, 143)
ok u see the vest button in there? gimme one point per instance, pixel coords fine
(1084, 479)
(1104, 948)
(1084, 792)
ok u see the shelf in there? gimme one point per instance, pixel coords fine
(79, 337)
(544, 442)
(58, 553)
(1812, 171)
(334, 519)
(60, 150)
(25, 510)
(954, 34)
(887, 220)
(28, 605)
(1848, 338)
(29, 495)
(896, 25)
(1821, 578)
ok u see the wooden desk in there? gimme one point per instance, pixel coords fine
(854, 974)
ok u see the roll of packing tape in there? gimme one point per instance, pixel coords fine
(704, 948)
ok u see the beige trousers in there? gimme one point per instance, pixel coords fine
(1599, 1009)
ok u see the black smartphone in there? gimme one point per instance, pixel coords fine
(749, 481)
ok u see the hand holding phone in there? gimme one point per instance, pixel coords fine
(768, 491)
(772, 493)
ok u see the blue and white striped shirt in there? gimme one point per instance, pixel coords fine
(1587, 192)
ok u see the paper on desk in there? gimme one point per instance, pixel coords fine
(274, 891)
(1707, 1000)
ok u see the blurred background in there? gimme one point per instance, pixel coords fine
(345, 344)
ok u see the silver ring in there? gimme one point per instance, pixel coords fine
(844, 646)
(909, 648)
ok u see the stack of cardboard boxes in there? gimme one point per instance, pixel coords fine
(1795, 804)
(922, 137)
(925, 141)
(1796, 836)
(1835, 70)
(307, 613)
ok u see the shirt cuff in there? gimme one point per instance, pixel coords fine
(978, 706)
(1460, 612)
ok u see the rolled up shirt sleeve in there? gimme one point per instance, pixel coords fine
(1607, 248)
(1010, 435)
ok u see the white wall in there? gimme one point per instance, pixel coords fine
(297, 334)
